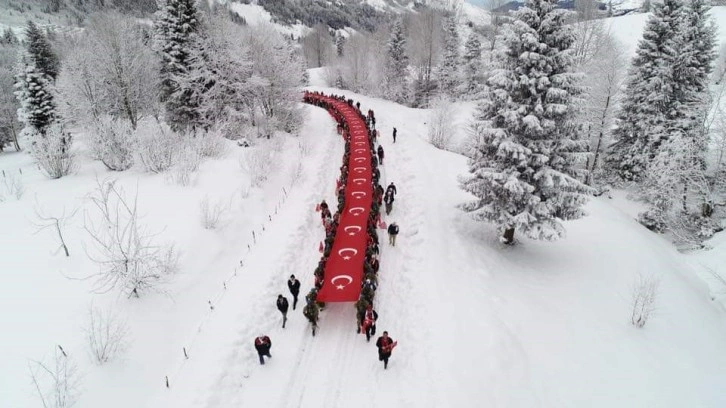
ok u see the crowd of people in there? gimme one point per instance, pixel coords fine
(365, 313)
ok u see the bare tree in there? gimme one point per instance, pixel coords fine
(106, 333)
(9, 124)
(644, 296)
(126, 254)
(355, 63)
(157, 146)
(57, 222)
(57, 384)
(113, 142)
(440, 125)
(498, 20)
(257, 162)
(318, 46)
(110, 69)
(424, 50)
(590, 33)
(604, 75)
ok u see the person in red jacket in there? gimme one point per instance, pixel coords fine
(385, 346)
(369, 322)
(263, 344)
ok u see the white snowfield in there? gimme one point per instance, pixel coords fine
(477, 324)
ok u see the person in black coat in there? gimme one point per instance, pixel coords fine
(380, 154)
(388, 200)
(394, 134)
(263, 344)
(294, 286)
(392, 188)
(282, 306)
(392, 233)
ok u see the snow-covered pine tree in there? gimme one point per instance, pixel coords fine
(40, 51)
(397, 65)
(37, 105)
(449, 78)
(472, 65)
(524, 168)
(339, 45)
(673, 185)
(648, 97)
(176, 26)
(9, 37)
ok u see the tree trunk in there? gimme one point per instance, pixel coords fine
(508, 236)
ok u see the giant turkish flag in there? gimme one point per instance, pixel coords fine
(344, 268)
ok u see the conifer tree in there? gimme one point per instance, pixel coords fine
(523, 170)
(9, 37)
(339, 45)
(176, 27)
(397, 65)
(449, 72)
(37, 106)
(40, 51)
(650, 94)
(472, 65)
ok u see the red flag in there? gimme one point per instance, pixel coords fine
(317, 207)
(320, 247)
(381, 225)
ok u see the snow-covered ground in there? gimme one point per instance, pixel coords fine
(478, 324)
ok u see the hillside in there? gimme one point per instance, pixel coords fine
(477, 323)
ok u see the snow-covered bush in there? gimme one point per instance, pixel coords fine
(645, 292)
(186, 161)
(440, 126)
(106, 334)
(126, 253)
(157, 146)
(57, 384)
(113, 142)
(211, 213)
(12, 186)
(209, 143)
(52, 151)
(257, 162)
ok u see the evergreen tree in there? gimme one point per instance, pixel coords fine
(41, 52)
(176, 27)
(9, 37)
(472, 65)
(37, 107)
(449, 71)
(339, 45)
(649, 94)
(523, 169)
(397, 65)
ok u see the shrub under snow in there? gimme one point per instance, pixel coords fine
(113, 142)
(52, 151)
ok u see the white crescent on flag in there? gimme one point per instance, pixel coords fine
(359, 159)
(359, 181)
(339, 277)
(359, 169)
(352, 229)
(358, 194)
(347, 250)
(356, 210)
(360, 150)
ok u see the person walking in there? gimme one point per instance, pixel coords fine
(282, 306)
(392, 188)
(394, 134)
(294, 286)
(388, 200)
(385, 346)
(392, 232)
(369, 322)
(380, 155)
(263, 344)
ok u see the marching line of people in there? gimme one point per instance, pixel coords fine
(366, 315)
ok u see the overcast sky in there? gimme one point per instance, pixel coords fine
(478, 2)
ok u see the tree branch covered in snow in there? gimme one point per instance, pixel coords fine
(106, 334)
(126, 254)
(57, 385)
